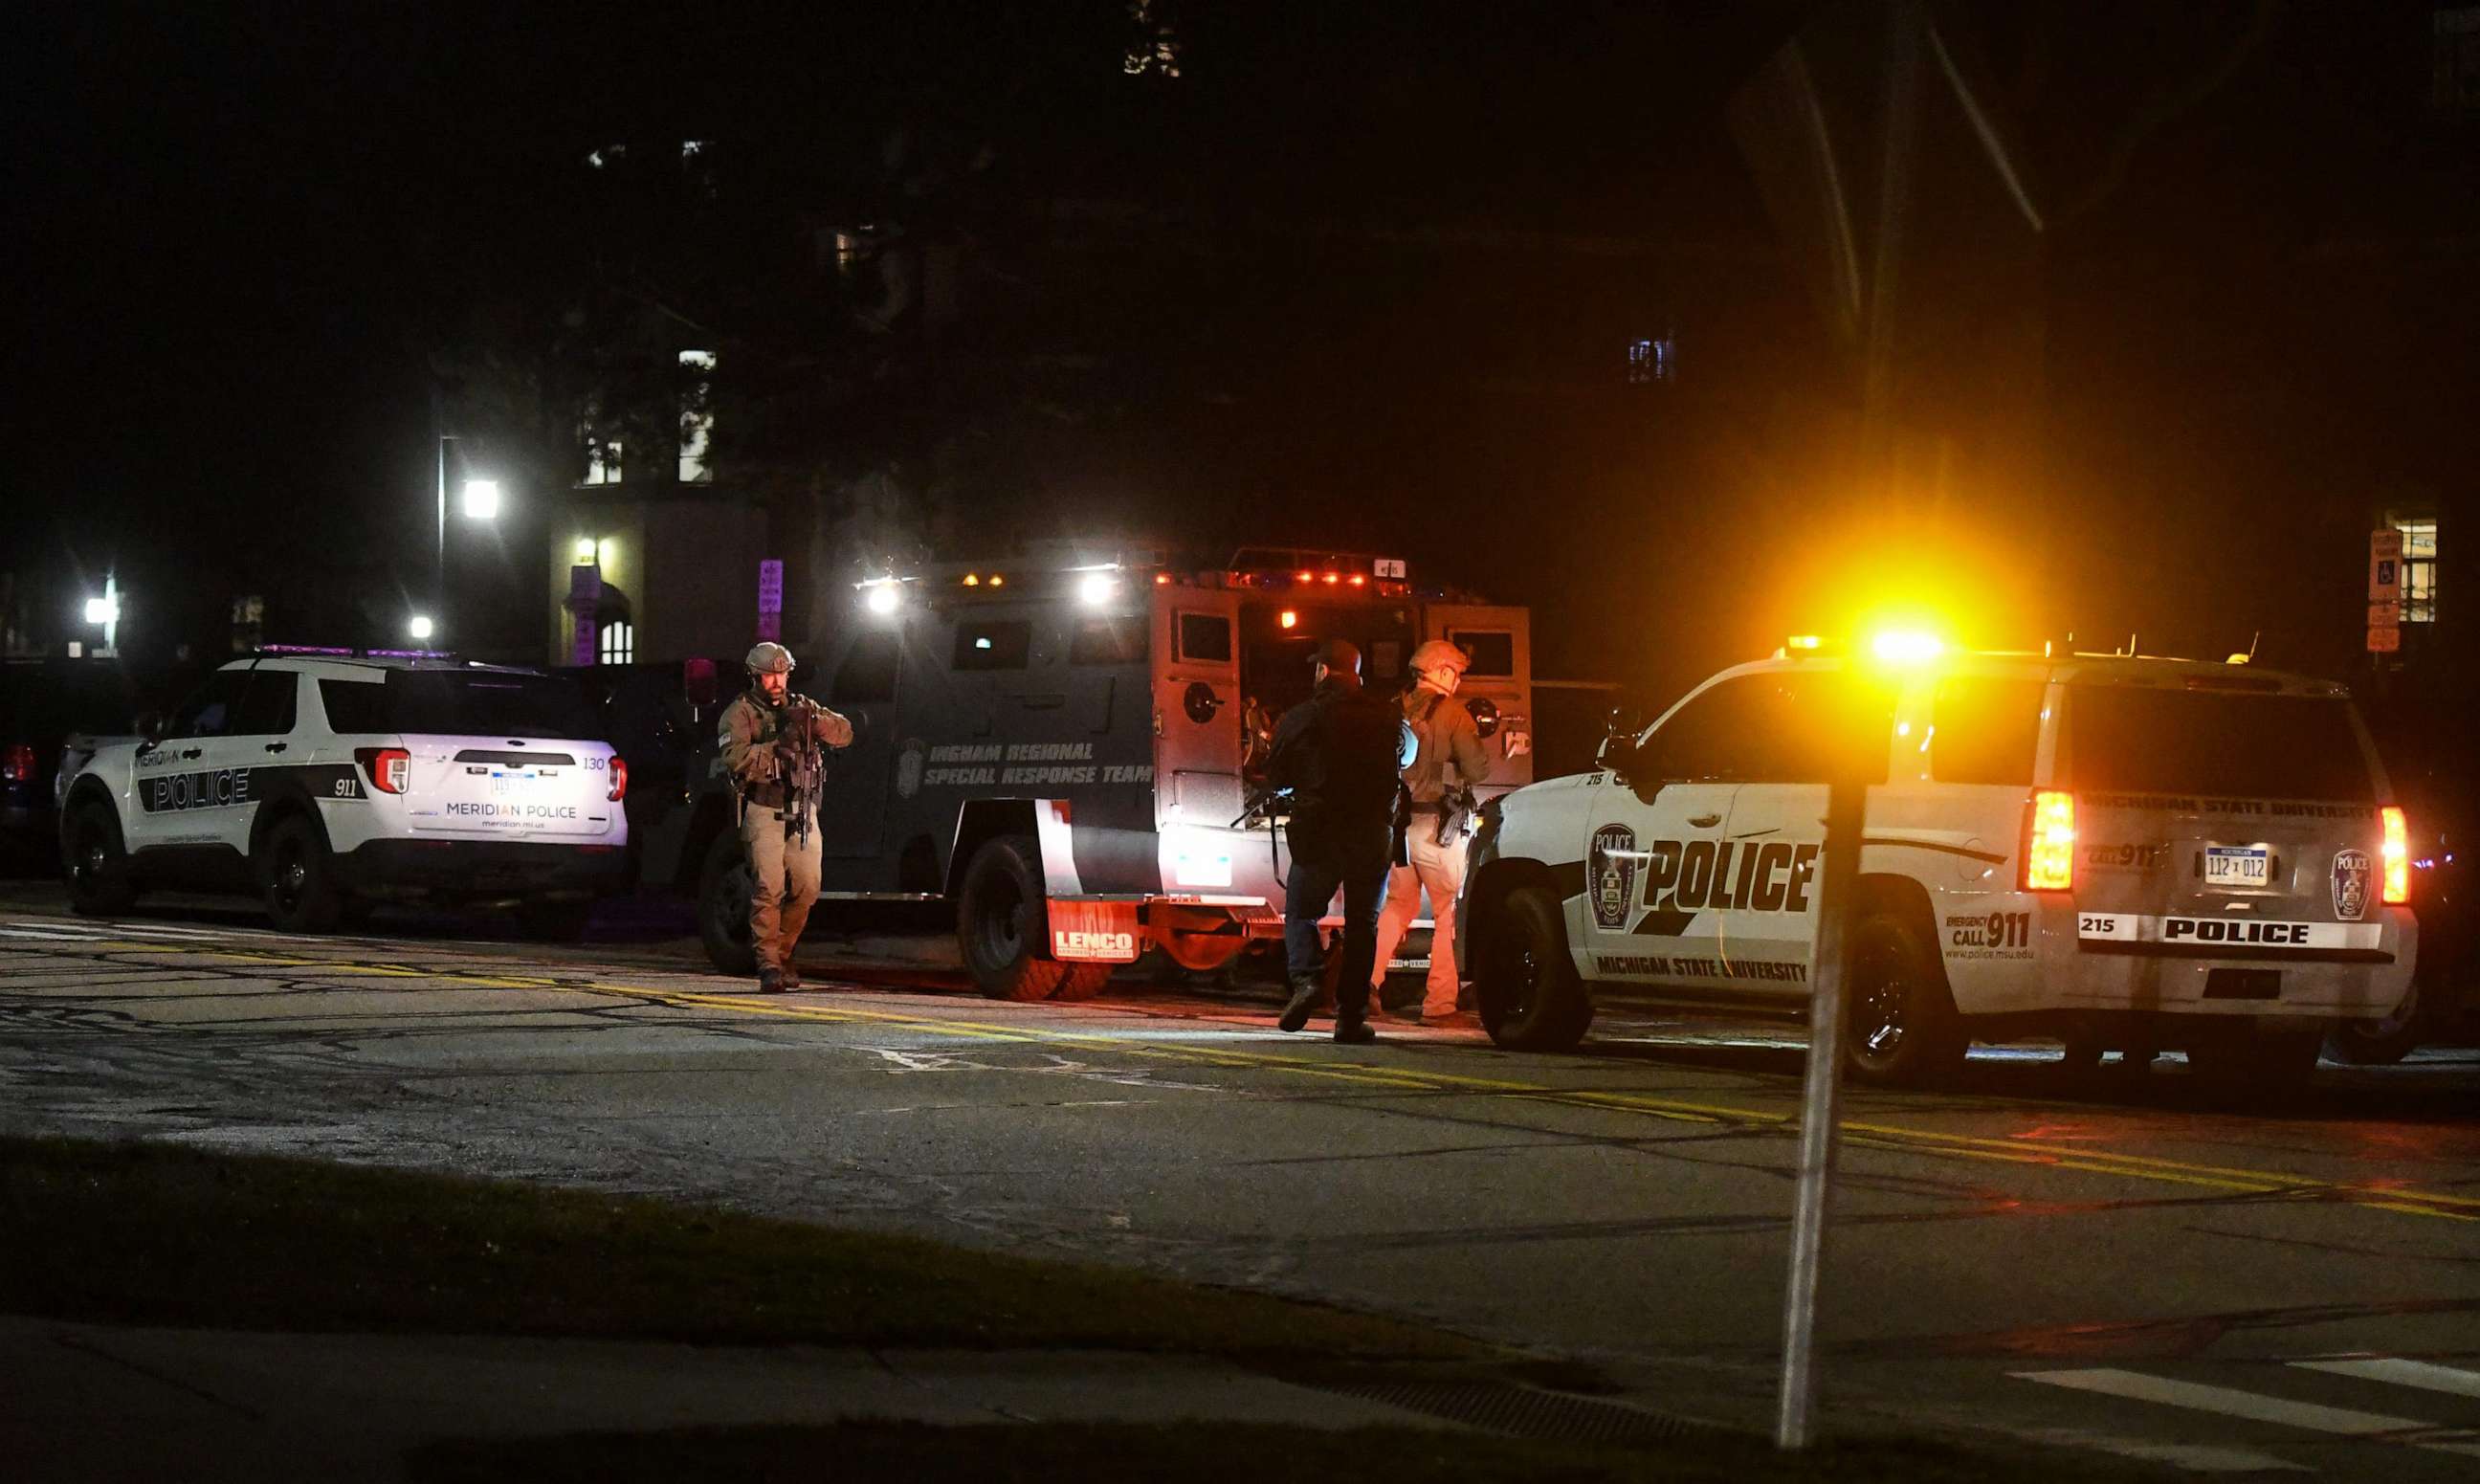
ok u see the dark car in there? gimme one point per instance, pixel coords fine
(43, 703)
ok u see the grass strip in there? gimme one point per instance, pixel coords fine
(1218, 1454)
(157, 1234)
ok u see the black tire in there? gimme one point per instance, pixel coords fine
(723, 907)
(2245, 1067)
(999, 921)
(2380, 1042)
(296, 877)
(1526, 983)
(554, 921)
(1082, 981)
(103, 881)
(1900, 1026)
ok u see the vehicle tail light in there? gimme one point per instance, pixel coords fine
(2397, 855)
(619, 778)
(389, 769)
(17, 764)
(2049, 841)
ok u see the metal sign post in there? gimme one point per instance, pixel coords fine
(1821, 1094)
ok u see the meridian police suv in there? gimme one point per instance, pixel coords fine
(2118, 851)
(328, 779)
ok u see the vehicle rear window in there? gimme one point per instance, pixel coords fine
(994, 645)
(1205, 637)
(460, 704)
(1115, 639)
(2131, 740)
(1493, 650)
(1985, 731)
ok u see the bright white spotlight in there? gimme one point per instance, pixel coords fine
(1097, 589)
(103, 610)
(481, 499)
(883, 598)
(419, 626)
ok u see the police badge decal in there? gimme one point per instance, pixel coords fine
(1614, 862)
(2350, 884)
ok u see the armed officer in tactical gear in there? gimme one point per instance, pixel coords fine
(770, 739)
(1441, 779)
(1337, 753)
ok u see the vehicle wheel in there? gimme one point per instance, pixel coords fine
(554, 921)
(1901, 1024)
(1082, 981)
(298, 878)
(723, 907)
(102, 881)
(2381, 1042)
(2251, 1066)
(1526, 983)
(999, 920)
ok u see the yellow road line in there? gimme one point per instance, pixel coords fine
(1891, 1136)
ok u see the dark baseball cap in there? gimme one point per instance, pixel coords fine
(1341, 655)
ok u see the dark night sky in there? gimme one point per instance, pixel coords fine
(237, 225)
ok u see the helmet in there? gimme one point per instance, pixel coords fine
(1437, 652)
(1339, 655)
(768, 658)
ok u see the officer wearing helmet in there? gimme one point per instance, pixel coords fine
(770, 739)
(1450, 762)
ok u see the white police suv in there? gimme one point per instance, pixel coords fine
(327, 780)
(2121, 852)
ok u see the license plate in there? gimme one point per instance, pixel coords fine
(2238, 865)
(504, 784)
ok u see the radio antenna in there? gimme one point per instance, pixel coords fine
(2252, 638)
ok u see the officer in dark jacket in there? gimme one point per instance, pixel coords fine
(1339, 754)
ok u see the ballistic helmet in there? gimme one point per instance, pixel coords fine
(1437, 652)
(1339, 655)
(768, 658)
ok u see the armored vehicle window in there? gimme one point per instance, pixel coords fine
(1205, 637)
(209, 713)
(1985, 731)
(267, 707)
(2140, 739)
(867, 675)
(992, 644)
(1493, 650)
(1120, 640)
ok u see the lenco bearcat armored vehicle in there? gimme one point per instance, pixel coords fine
(1064, 749)
(2123, 852)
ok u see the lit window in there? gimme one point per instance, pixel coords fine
(602, 460)
(1652, 362)
(2418, 568)
(697, 414)
(618, 644)
(1153, 49)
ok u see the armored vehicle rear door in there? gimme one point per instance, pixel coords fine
(1198, 705)
(1498, 689)
(862, 685)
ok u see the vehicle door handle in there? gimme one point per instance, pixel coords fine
(275, 746)
(189, 752)
(1704, 820)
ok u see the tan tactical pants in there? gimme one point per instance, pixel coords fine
(1439, 870)
(784, 883)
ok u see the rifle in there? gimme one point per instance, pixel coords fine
(798, 765)
(1455, 802)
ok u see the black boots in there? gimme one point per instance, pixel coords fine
(1354, 1029)
(1307, 990)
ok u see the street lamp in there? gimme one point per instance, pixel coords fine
(481, 502)
(419, 626)
(481, 499)
(105, 611)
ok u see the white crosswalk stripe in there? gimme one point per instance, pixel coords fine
(2251, 1406)
(96, 932)
(2422, 1374)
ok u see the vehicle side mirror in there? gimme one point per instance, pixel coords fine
(150, 726)
(1619, 753)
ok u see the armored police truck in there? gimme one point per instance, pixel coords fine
(1063, 746)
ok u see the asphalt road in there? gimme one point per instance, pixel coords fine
(2115, 1266)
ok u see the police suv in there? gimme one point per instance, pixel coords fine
(325, 780)
(2121, 852)
(1062, 747)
